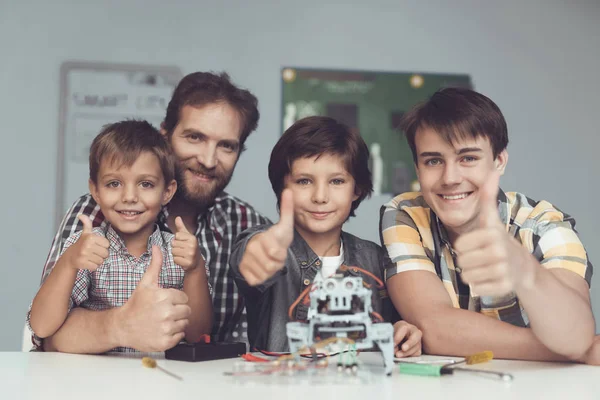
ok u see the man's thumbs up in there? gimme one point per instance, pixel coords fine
(266, 252)
(185, 249)
(152, 274)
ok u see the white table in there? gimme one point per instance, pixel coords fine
(48, 376)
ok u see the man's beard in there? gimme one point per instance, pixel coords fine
(201, 195)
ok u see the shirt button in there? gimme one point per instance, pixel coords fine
(318, 263)
(354, 270)
(303, 263)
(306, 282)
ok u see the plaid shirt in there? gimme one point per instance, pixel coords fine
(416, 240)
(113, 282)
(217, 229)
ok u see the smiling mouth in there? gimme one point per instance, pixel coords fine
(201, 176)
(320, 215)
(459, 196)
(129, 214)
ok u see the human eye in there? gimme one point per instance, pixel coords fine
(433, 162)
(193, 137)
(229, 147)
(469, 159)
(302, 181)
(338, 181)
(147, 184)
(113, 184)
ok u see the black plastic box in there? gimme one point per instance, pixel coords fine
(205, 351)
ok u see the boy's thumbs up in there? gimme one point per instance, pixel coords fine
(152, 274)
(283, 231)
(488, 198)
(87, 223)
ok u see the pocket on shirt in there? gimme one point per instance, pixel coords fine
(171, 277)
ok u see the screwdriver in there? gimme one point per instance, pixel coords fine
(150, 362)
(449, 369)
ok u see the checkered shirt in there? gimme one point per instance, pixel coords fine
(217, 229)
(416, 240)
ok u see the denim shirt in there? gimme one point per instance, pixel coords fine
(267, 304)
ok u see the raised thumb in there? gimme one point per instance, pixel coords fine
(284, 229)
(87, 223)
(152, 274)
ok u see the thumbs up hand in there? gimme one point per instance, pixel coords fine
(489, 257)
(266, 252)
(185, 247)
(90, 250)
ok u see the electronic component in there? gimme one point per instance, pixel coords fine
(205, 351)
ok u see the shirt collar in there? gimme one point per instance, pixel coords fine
(117, 243)
(163, 216)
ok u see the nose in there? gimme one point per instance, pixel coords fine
(130, 194)
(320, 194)
(452, 174)
(207, 155)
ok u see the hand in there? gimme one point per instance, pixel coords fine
(90, 250)
(185, 247)
(266, 252)
(492, 262)
(592, 356)
(409, 336)
(153, 319)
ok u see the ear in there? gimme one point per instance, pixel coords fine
(501, 161)
(163, 131)
(170, 190)
(93, 190)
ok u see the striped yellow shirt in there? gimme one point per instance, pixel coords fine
(416, 240)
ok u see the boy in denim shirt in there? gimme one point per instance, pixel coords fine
(319, 173)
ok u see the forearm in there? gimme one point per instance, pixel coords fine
(195, 286)
(458, 332)
(559, 316)
(51, 304)
(87, 331)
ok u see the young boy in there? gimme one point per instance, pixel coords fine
(319, 173)
(477, 268)
(131, 177)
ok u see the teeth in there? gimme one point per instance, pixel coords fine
(130, 212)
(455, 197)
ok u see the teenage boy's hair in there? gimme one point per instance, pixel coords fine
(201, 88)
(457, 113)
(314, 136)
(123, 142)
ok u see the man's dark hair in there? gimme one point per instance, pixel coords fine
(457, 113)
(201, 88)
(314, 136)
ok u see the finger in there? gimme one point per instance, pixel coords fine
(477, 239)
(413, 351)
(400, 332)
(488, 201)
(177, 296)
(478, 258)
(496, 287)
(180, 226)
(95, 260)
(283, 231)
(271, 249)
(181, 312)
(100, 251)
(87, 223)
(151, 275)
(178, 326)
(413, 339)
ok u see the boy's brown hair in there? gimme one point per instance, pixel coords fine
(123, 142)
(314, 136)
(456, 113)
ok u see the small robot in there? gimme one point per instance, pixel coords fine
(340, 307)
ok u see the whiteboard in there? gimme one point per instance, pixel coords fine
(93, 95)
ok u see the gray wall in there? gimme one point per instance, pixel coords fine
(538, 60)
